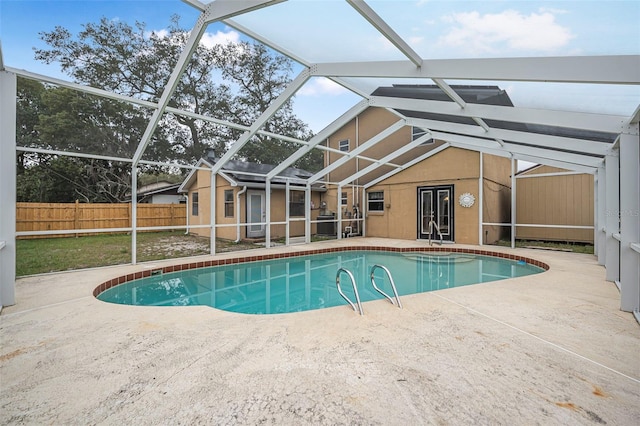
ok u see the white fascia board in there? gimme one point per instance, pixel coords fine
(228, 178)
(486, 145)
(201, 164)
(288, 92)
(409, 164)
(223, 9)
(363, 147)
(613, 69)
(536, 139)
(574, 120)
(386, 159)
(336, 125)
(374, 19)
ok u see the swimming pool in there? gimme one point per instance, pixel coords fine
(308, 282)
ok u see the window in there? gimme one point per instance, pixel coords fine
(376, 201)
(296, 203)
(417, 132)
(194, 204)
(343, 199)
(343, 145)
(228, 203)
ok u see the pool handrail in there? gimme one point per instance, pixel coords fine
(355, 290)
(393, 285)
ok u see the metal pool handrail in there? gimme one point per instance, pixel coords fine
(355, 290)
(433, 223)
(393, 285)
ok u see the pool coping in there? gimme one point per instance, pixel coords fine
(249, 258)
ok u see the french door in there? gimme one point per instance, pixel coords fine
(435, 212)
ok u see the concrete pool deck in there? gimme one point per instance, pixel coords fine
(551, 348)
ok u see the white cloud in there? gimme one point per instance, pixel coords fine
(208, 39)
(492, 33)
(321, 86)
(220, 37)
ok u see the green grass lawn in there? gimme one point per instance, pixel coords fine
(37, 256)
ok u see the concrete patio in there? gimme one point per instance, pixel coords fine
(551, 348)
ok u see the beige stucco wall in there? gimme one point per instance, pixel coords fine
(497, 198)
(555, 200)
(453, 166)
(278, 212)
(358, 131)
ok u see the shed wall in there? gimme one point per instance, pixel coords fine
(555, 200)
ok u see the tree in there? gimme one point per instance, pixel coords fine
(115, 56)
(67, 120)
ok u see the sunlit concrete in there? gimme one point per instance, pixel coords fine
(552, 348)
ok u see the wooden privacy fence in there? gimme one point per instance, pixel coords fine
(78, 216)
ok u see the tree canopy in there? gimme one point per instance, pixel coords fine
(234, 82)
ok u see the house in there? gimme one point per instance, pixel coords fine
(553, 196)
(443, 190)
(385, 176)
(161, 192)
(241, 199)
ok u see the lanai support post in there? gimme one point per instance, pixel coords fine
(8, 88)
(134, 214)
(513, 202)
(599, 215)
(267, 233)
(307, 214)
(480, 200)
(339, 209)
(212, 215)
(287, 212)
(363, 211)
(629, 222)
(612, 224)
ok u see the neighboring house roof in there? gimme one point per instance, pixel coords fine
(161, 184)
(162, 187)
(486, 95)
(171, 188)
(233, 170)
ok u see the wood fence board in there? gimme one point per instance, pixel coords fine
(78, 216)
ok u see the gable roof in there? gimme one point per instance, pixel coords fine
(252, 175)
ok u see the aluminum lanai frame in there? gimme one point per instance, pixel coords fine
(617, 230)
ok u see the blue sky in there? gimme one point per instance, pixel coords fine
(330, 30)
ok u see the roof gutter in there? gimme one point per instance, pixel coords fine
(244, 189)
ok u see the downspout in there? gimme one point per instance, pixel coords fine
(244, 189)
(186, 196)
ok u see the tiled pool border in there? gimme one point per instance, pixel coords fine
(244, 259)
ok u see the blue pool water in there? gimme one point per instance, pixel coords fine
(309, 282)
